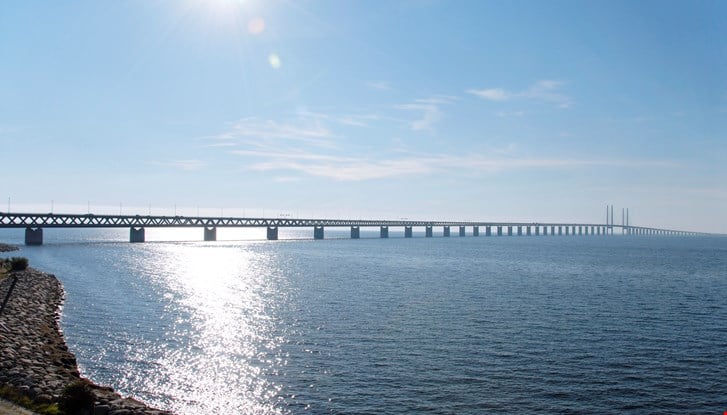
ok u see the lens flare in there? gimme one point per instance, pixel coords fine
(274, 61)
(256, 26)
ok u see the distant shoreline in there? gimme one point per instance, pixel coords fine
(7, 248)
(36, 363)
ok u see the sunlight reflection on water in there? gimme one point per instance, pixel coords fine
(223, 342)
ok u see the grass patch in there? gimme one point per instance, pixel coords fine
(17, 397)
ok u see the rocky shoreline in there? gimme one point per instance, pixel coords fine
(35, 362)
(7, 248)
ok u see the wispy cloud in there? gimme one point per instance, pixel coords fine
(492, 94)
(430, 109)
(309, 131)
(180, 164)
(506, 114)
(545, 91)
(343, 168)
(380, 85)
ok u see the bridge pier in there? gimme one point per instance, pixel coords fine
(384, 232)
(355, 232)
(428, 232)
(408, 232)
(567, 229)
(528, 231)
(488, 230)
(272, 233)
(210, 234)
(462, 231)
(475, 231)
(499, 231)
(509, 231)
(519, 231)
(136, 235)
(318, 232)
(445, 231)
(537, 230)
(33, 236)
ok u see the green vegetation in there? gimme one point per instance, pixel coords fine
(18, 263)
(77, 398)
(12, 264)
(17, 397)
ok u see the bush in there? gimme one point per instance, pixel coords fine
(18, 263)
(77, 398)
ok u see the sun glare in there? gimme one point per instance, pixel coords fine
(225, 11)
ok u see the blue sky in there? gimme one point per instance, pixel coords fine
(519, 110)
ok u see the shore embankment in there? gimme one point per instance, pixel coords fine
(35, 363)
(7, 248)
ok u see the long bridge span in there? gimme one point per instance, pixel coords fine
(34, 223)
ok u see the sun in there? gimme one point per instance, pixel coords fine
(225, 12)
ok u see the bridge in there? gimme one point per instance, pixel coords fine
(34, 223)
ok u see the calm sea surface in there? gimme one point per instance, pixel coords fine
(436, 325)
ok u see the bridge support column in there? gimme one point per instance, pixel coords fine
(408, 232)
(519, 231)
(509, 231)
(136, 235)
(272, 233)
(528, 231)
(499, 231)
(475, 231)
(355, 232)
(210, 234)
(384, 232)
(445, 231)
(33, 236)
(462, 231)
(552, 231)
(567, 228)
(537, 230)
(428, 232)
(488, 230)
(318, 232)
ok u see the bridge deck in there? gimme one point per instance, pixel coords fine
(51, 220)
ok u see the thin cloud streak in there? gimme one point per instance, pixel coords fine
(309, 131)
(379, 85)
(544, 91)
(188, 165)
(356, 169)
(430, 111)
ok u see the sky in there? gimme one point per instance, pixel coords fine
(466, 110)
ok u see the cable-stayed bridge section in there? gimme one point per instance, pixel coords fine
(34, 223)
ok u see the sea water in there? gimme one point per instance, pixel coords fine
(547, 324)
